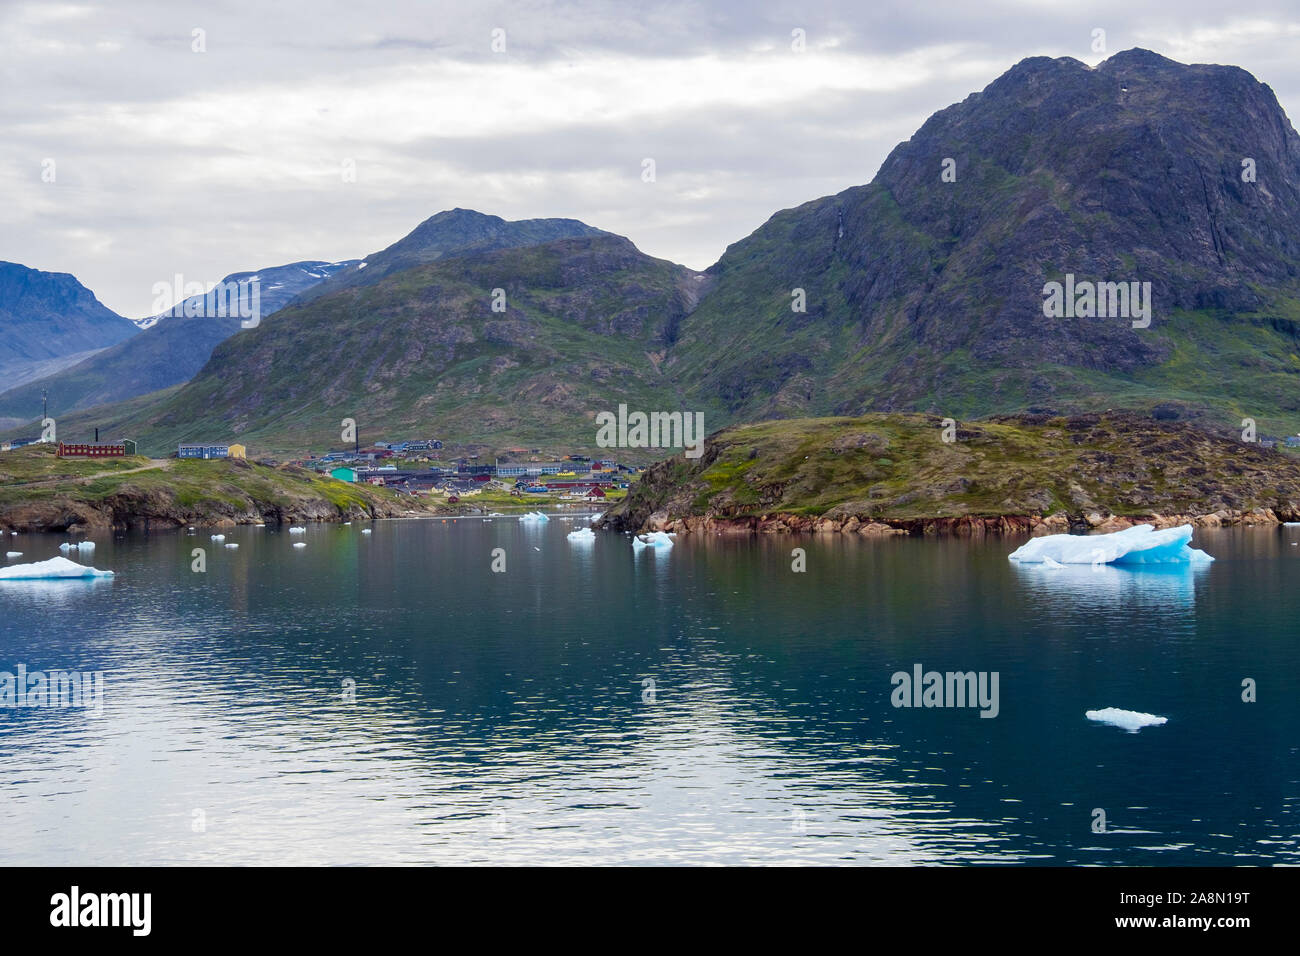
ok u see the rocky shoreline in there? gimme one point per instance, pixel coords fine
(965, 525)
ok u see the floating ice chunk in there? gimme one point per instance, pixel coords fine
(534, 516)
(13, 554)
(653, 539)
(293, 530)
(1141, 544)
(232, 545)
(347, 523)
(582, 534)
(53, 568)
(1130, 720)
(218, 537)
(300, 544)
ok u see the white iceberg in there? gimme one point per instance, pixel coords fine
(1141, 544)
(1130, 720)
(13, 554)
(232, 545)
(300, 544)
(53, 568)
(218, 537)
(365, 531)
(653, 539)
(582, 534)
(534, 516)
(77, 546)
(293, 530)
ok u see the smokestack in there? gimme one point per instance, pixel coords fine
(96, 436)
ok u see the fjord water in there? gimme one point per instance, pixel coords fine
(506, 718)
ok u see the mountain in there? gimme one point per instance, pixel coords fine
(925, 290)
(453, 232)
(49, 318)
(925, 294)
(422, 351)
(278, 287)
(170, 350)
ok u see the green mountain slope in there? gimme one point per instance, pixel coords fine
(585, 322)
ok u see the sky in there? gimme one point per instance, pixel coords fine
(145, 139)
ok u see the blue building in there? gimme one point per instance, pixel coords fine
(202, 451)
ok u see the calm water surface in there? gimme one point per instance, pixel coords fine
(505, 718)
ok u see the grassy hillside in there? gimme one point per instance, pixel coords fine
(40, 491)
(897, 468)
(422, 353)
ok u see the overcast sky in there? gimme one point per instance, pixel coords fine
(167, 160)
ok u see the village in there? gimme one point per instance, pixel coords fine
(413, 467)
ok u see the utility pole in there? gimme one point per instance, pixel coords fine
(45, 406)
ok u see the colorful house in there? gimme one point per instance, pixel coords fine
(202, 451)
(344, 474)
(238, 451)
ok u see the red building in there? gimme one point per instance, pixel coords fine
(92, 450)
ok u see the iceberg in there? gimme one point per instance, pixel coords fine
(534, 516)
(582, 534)
(1141, 544)
(1130, 720)
(53, 568)
(13, 554)
(300, 544)
(232, 545)
(365, 531)
(293, 530)
(218, 537)
(653, 539)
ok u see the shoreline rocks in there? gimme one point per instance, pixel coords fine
(958, 526)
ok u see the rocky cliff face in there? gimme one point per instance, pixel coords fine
(924, 290)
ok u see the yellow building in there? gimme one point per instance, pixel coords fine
(237, 451)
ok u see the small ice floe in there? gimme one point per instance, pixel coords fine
(365, 531)
(293, 530)
(53, 568)
(347, 523)
(1130, 720)
(218, 537)
(77, 546)
(1141, 544)
(300, 544)
(653, 539)
(232, 545)
(1285, 524)
(582, 534)
(534, 516)
(13, 554)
